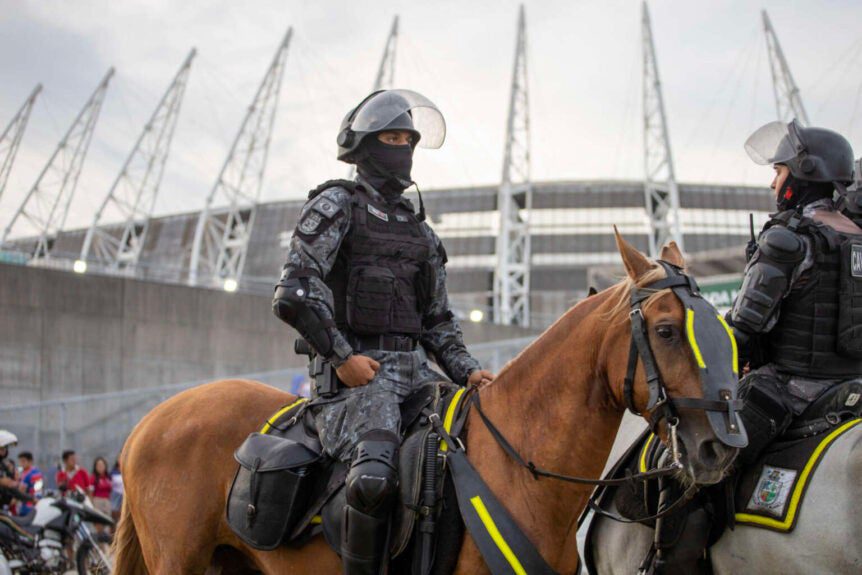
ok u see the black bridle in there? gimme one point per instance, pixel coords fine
(659, 404)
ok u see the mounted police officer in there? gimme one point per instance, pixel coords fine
(797, 318)
(365, 285)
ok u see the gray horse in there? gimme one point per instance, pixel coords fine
(826, 538)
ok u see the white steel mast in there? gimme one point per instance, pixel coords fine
(222, 234)
(133, 194)
(514, 199)
(660, 190)
(47, 204)
(788, 102)
(10, 139)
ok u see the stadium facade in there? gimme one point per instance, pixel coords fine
(571, 229)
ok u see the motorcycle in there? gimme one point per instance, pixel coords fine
(53, 538)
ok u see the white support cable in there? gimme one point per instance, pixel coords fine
(788, 102)
(385, 79)
(661, 193)
(47, 204)
(133, 194)
(222, 233)
(514, 199)
(10, 139)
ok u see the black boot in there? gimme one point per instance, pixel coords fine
(682, 536)
(371, 488)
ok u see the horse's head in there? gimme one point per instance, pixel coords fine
(675, 360)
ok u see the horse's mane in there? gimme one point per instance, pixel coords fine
(619, 309)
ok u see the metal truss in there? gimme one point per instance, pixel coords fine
(514, 200)
(385, 79)
(661, 194)
(222, 234)
(788, 102)
(10, 139)
(47, 204)
(133, 194)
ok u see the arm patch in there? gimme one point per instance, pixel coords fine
(318, 214)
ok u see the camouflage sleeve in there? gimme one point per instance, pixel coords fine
(323, 224)
(442, 336)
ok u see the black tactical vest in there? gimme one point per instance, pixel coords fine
(382, 278)
(815, 334)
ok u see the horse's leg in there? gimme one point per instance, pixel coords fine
(828, 530)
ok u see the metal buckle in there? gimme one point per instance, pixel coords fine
(672, 424)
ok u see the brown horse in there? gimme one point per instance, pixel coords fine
(560, 402)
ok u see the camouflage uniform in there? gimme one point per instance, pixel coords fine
(323, 224)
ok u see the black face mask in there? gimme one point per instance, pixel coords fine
(386, 167)
(794, 193)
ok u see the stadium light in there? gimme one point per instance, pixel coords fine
(80, 266)
(477, 315)
(230, 285)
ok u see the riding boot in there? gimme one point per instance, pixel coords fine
(371, 488)
(680, 537)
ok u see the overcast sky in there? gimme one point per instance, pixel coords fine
(584, 75)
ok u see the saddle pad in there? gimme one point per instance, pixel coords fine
(770, 493)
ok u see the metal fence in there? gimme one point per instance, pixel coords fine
(97, 425)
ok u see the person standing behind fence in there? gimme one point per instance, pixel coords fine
(116, 490)
(71, 476)
(31, 481)
(100, 489)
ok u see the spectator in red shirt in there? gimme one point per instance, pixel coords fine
(100, 488)
(72, 476)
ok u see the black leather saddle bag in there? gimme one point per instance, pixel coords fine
(271, 490)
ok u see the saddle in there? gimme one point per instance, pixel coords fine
(287, 491)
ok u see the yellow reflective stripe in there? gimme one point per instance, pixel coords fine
(491, 527)
(800, 485)
(450, 415)
(644, 451)
(271, 421)
(692, 341)
(732, 342)
(316, 520)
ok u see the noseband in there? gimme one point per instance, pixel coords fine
(660, 405)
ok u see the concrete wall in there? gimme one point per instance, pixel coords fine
(64, 334)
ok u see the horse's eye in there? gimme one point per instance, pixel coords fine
(664, 331)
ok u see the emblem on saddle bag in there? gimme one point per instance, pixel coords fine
(271, 489)
(772, 491)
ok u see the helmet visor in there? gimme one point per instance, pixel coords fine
(380, 110)
(773, 143)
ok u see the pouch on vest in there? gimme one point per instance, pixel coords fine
(370, 295)
(849, 341)
(271, 490)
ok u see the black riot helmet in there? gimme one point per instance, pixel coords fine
(811, 154)
(387, 110)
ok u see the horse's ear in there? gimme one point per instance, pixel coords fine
(672, 254)
(636, 263)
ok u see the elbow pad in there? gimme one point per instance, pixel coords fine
(290, 305)
(779, 251)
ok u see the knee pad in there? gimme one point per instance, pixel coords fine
(372, 482)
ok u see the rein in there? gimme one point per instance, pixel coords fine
(630, 477)
(661, 406)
